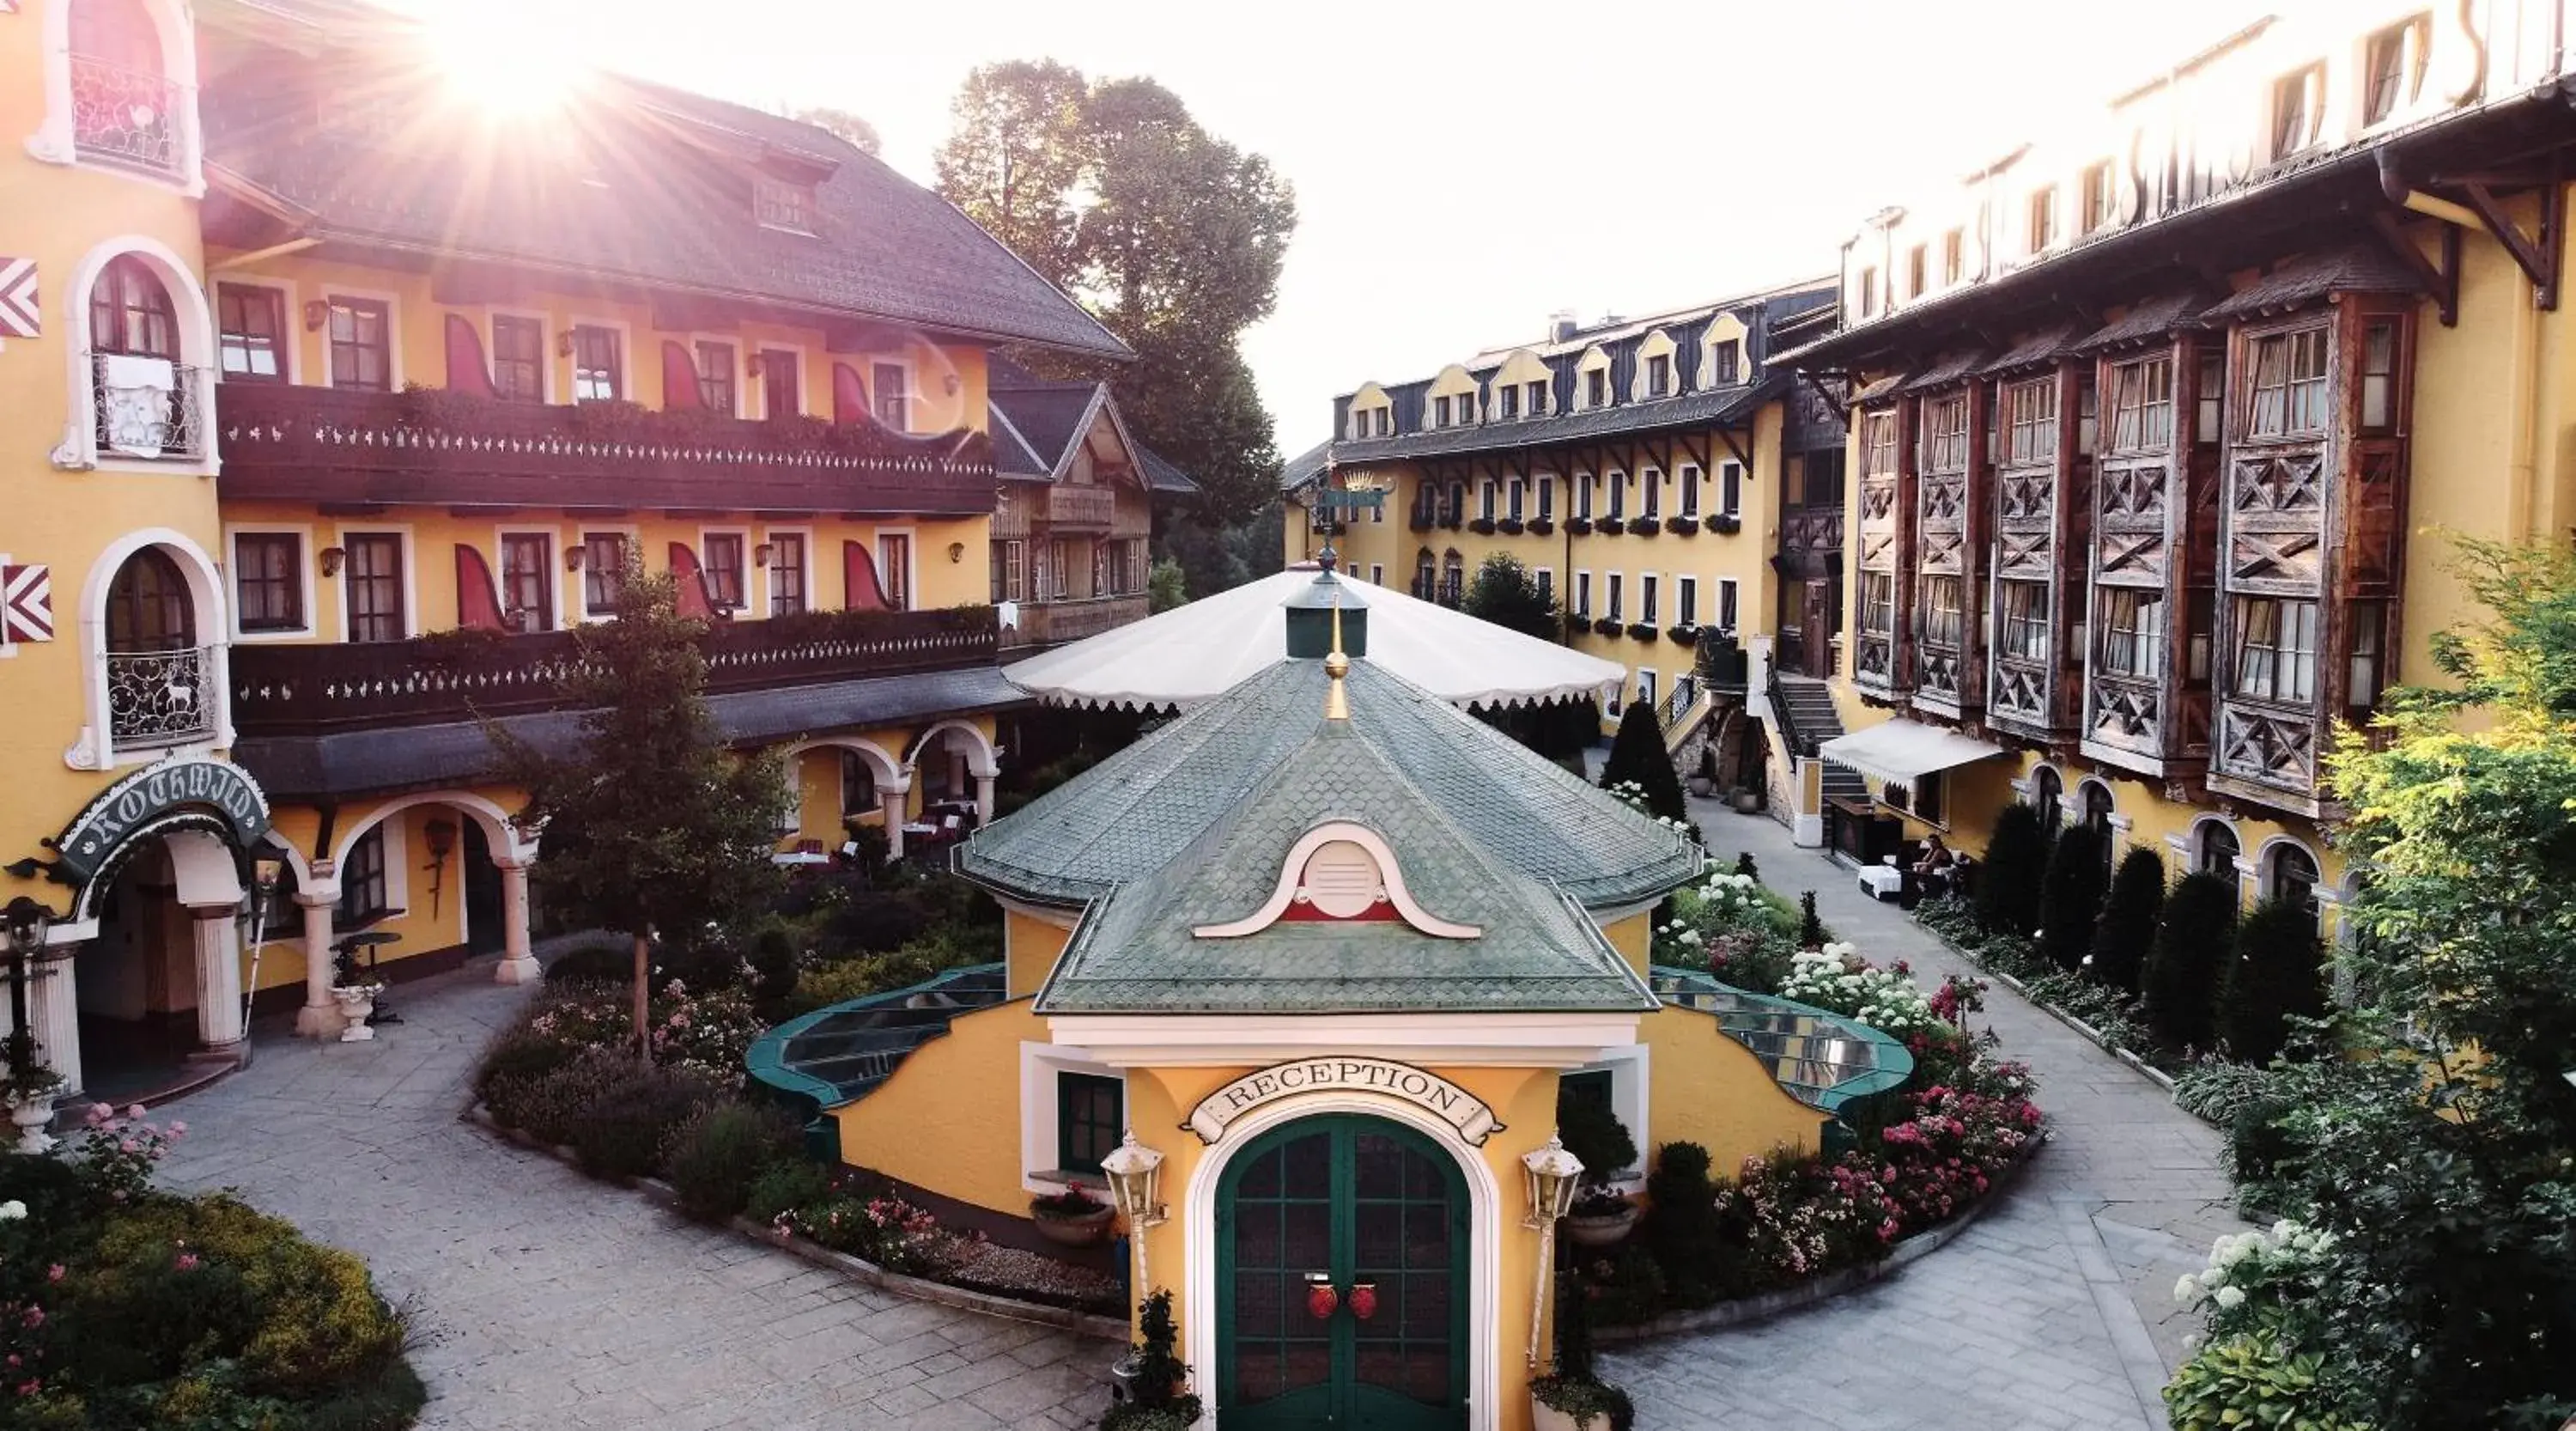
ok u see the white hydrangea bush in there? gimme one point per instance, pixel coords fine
(2255, 1278)
(1836, 978)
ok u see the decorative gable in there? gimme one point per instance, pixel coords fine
(1340, 873)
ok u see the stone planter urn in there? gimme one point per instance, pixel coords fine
(1073, 1229)
(33, 1114)
(1699, 785)
(1544, 1417)
(357, 1002)
(1603, 1229)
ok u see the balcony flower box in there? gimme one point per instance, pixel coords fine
(1683, 635)
(1610, 527)
(1579, 526)
(1510, 526)
(1542, 527)
(1608, 626)
(1726, 524)
(1643, 526)
(1482, 526)
(1642, 631)
(1452, 521)
(1421, 521)
(1682, 526)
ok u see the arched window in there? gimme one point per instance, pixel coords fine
(130, 311)
(2097, 807)
(2218, 851)
(2294, 879)
(125, 105)
(1453, 578)
(148, 608)
(2049, 796)
(1425, 573)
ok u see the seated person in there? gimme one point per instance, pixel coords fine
(1935, 866)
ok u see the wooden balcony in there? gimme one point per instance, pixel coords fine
(433, 447)
(1052, 623)
(1070, 507)
(465, 675)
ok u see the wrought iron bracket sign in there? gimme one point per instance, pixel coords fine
(214, 786)
(1471, 1117)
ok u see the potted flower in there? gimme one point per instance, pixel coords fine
(1599, 1141)
(1605, 626)
(1703, 778)
(356, 994)
(1579, 526)
(1482, 526)
(1149, 1383)
(1072, 1218)
(1725, 523)
(1573, 1397)
(1643, 526)
(30, 1091)
(1682, 526)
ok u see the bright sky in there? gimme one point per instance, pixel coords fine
(1463, 172)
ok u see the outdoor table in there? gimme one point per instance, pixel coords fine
(1883, 882)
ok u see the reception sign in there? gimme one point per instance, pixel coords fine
(1463, 1111)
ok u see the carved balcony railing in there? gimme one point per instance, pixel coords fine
(1050, 623)
(130, 118)
(160, 697)
(148, 409)
(308, 444)
(456, 676)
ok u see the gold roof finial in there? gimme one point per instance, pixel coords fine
(1337, 701)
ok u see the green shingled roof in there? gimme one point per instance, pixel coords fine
(1134, 813)
(1193, 826)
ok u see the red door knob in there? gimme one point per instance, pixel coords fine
(1321, 1299)
(1364, 1300)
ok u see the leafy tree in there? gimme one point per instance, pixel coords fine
(1166, 586)
(1637, 756)
(857, 132)
(2008, 883)
(1505, 593)
(2274, 974)
(2070, 899)
(2193, 936)
(671, 829)
(2127, 928)
(1170, 235)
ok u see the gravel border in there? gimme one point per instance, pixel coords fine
(856, 1269)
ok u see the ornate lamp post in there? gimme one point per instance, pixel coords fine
(1552, 1175)
(267, 871)
(31, 1104)
(1135, 1174)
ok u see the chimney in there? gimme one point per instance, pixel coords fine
(1560, 325)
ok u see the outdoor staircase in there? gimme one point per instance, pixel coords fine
(840, 1054)
(1804, 708)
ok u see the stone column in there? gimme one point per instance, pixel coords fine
(518, 965)
(53, 1014)
(320, 1016)
(219, 977)
(983, 800)
(891, 801)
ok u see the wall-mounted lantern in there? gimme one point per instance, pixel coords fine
(316, 314)
(1135, 1174)
(576, 557)
(331, 559)
(761, 554)
(1552, 1175)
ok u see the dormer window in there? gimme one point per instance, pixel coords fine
(1385, 421)
(2294, 110)
(782, 204)
(1953, 256)
(2097, 198)
(1596, 388)
(1659, 375)
(2043, 218)
(2394, 70)
(1440, 412)
(1538, 399)
(1725, 363)
(1511, 397)
(1917, 266)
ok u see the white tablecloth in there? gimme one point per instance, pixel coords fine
(1882, 881)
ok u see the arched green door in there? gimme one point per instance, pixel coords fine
(1345, 1202)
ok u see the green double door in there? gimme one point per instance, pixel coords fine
(1372, 1211)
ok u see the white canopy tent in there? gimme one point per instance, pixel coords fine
(1905, 751)
(1203, 649)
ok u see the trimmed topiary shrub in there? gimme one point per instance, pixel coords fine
(773, 964)
(621, 1132)
(1596, 1138)
(715, 1157)
(2070, 901)
(2193, 936)
(1811, 930)
(2015, 867)
(1637, 756)
(2127, 928)
(1681, 1228)
(2276, 974)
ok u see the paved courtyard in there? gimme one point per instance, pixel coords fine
(543, 1300)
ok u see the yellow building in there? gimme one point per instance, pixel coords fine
(2157, 427)
(1330, 950)
(1660, 477)
(334, 400)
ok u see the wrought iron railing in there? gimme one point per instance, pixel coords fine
(148, 408)
(127, 117)
(1786, 715)
(1677, 706)
(160, 697)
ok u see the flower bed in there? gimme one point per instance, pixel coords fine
(126, 1307)
(2109, 1016)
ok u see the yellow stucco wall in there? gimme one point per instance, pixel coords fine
(1705, 1088)
(948, 1120)
(1634, 938)
(1030, 945)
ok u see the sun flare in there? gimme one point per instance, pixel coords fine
(505, 57)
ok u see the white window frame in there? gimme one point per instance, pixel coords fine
(749, 566)
(1650, 597)
(1377, 574)
(290, 338)
(394, 377)
(311, 558)
(804, 377)
(1686, 598)
(209, 605)
(1545, 576)
(1727, 597)
(54, 141)
(547, 336)
(741, 371)
(912, 574)
(555, 572)
(1730, 488)
(769, 537)
(194, 318)
(625, 354)
(584, 532)
(410, 574)
(1686, 480)
(1040, 1063)
(1631, 1084)
(1649, 687)
(1583, 592)
(911, 385)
